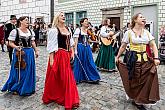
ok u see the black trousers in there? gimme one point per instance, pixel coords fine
(10, 50)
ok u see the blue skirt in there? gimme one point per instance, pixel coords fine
(84, 66)
(26, 85)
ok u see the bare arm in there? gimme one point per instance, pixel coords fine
(72, 54)
(154, 48)
(76, 42)
(35, 48)
(11, 43)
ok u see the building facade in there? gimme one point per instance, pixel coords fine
(35, 9)
(119, 11)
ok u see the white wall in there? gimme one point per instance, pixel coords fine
(31, 8)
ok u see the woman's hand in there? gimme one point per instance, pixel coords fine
(51, 63)
(156, 62)
(117, 59)
(72, 55)
(111, 33)
(51, 59)
(36, 53)
(18, 48)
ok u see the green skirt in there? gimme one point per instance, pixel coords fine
(106, 58)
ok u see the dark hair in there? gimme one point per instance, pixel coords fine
(12, 17)
(90, 24)
(21, 19)
(50, 25)
(100, 26)
(128, 24)
(77, 25)
(97, 29)
(133, 20)
(82, 20)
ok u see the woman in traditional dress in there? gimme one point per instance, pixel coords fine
(139, 74)
(106, 58)
(60, 85)
(22, 77)
(84, 66)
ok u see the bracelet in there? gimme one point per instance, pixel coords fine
(156, 58)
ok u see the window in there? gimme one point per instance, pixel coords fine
(39, 19)
(80, 15)
(69, 18)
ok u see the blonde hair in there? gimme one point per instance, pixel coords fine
(56, 19)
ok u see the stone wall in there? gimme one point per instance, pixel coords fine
(32, 8)
(94, 8)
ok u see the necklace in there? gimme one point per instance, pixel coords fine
(135, 32)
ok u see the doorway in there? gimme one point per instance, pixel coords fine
(116, 21)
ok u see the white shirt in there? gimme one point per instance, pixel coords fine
(104, 32)
(52, 40)
(13, 33)
(77, 32)
(145, 38)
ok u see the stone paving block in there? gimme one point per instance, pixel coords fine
(108, 95)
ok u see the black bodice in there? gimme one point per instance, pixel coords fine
(83, 38)
(25, 42)
(63, 41)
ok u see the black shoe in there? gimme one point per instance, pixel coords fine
(140, 107)
(94, 82)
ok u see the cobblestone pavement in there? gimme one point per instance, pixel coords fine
(108, 95)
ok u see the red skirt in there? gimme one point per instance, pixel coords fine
(60, 85)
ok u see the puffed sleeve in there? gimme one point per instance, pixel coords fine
(76, 33)
(103, 32)
(12, 35)
(126, 37)
(33, 35)
(52, 42)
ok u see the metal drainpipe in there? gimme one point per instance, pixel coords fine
(51, 10)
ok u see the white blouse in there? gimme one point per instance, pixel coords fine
(52, 41)
(145, 38)
(77, 32)
(104, 32)
(13, 33)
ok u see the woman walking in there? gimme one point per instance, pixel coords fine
(22, 73)
(106, 57)
(84, 66)
(60, 85)
(139, 74)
